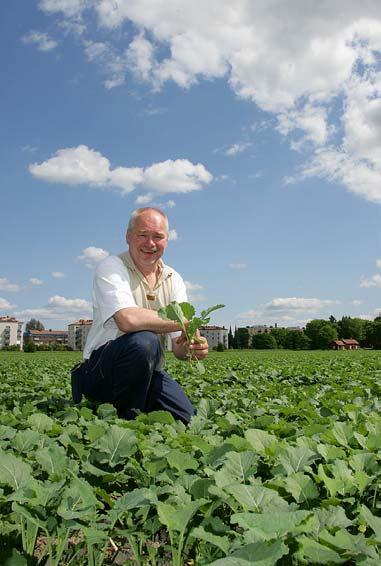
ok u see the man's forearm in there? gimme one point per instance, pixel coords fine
(134, 319)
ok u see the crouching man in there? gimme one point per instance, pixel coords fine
(124, 356)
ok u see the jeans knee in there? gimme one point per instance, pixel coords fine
(145, 344)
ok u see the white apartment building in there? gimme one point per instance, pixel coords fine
(215, 335)
(10, 332)
(78, 332)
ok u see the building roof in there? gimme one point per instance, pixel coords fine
(81, 322)
(212, 327)
(8, 319)
(350, 342)
(47, 332)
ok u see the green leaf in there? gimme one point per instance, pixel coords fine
(116, 445)
(371, 520)
(177, 518)
(188, 310)
(258, 553)
(316, 553)
(181, 461)
(172, 311)
(78, 501)
(40, 422)
(221, 542)
(26, 440)
(343, 433)
(240, 465)
(12, 557)
(257, 498)
(206, 312)
(271, 524)
(13, 471)
(53, 460)
(261, 440)
(301, 487)
(296, 458)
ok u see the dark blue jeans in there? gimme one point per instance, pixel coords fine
(122, 372)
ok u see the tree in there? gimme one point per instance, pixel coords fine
(321, 333)
(29, 346)
(349, 327)
(230, 338)
(297, 340)
(280, 335)
(264, 341)
(33, 324)
(375, 335)
(242, 338)
(220, 347)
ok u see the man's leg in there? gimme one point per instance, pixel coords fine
(166, 394)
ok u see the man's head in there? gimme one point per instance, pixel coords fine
(147, 237)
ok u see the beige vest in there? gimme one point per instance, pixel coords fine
(146, 298)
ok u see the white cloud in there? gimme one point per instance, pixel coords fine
(84, 166)
(41, 40)
(59, 308)
(91, 256)
(238, 265)
(171, 204)
(36, 281)
(58, 274)
(70, 8)
(298, 304)
(237, 148)
(6, 285)
(294, 63)
(356, 302)
(378, 263)
(193, 292)
(142, 200)
(374, 281)
(6, 305)
(173, 235)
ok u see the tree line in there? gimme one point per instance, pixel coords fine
(317, 335)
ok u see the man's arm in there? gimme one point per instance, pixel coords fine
(133, 319)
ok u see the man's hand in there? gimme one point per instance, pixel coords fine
(197, 348)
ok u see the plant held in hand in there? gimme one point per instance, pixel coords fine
(184, 314)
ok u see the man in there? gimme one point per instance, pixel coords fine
(123, 357)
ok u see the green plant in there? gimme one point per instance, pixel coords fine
(184, 314)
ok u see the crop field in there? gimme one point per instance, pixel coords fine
(281, 465)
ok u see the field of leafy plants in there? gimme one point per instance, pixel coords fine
(281, 465)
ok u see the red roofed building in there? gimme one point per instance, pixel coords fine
(345, 344)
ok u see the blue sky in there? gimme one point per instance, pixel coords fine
(255, 125)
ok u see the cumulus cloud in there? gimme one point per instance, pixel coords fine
(84, 166)
(91, 256)
(374, 281)
(36, 281)
(303, 66)
(298, 304)
(6, 305)
(41, 40)
(237, 148)
(193, 292)
(378, 263)
(6, 285)
(57, 274)
(59, 308)
(173, 235)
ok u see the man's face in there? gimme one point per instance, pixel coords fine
(148, 239)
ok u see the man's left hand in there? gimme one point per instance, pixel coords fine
(199, 348)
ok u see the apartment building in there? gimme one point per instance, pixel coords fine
(78, 332)
(215, 335)
(10, 332)
(47, 337)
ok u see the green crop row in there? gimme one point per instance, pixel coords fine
(281, 465)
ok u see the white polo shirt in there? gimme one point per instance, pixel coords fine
(112, 292)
